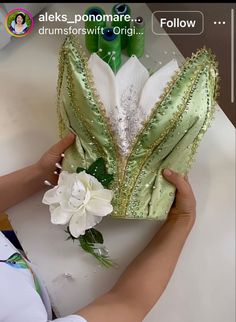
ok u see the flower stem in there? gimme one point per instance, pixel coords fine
(92, 243)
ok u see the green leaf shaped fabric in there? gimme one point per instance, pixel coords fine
(138, 124)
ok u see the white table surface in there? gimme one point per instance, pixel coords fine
(202, 287)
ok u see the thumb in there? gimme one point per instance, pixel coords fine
(63, 144)
(178, 181)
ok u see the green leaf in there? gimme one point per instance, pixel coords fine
(79, 169)
(99, 171)
(93, 236)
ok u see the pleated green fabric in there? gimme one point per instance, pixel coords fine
(169, 138)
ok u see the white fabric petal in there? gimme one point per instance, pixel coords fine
(74, 203)
(65, 183)
(154, 87)
(92, 221)
(59, 216)
(98, 207)
(65, 178)
(104, 80)
(77, 225)
(94, 184)
(51, 196)
(78, 194)
(129, 96)
(89, 182)
(78, 186)
(132, 73)
(103, 194)
(52, 207)
(130, 80)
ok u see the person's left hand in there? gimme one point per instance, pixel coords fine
(47, 163)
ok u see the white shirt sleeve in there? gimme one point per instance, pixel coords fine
(19, 300)
(71, 318)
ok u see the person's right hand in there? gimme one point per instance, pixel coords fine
(185, 203)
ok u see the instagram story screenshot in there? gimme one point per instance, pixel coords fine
(117, 162)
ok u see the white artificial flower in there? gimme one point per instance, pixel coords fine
(80, 200)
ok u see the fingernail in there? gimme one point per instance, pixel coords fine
(62, 155)
(167, 172)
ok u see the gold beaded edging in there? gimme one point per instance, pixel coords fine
(83, 60)
(78, 112)
(61, 123)
(106, 122)
(172, 124)
(64, 63)
(206, 124)
(166, 91)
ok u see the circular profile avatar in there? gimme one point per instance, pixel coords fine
(19, 22)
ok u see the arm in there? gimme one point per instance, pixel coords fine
(19, 185)
(145, 279)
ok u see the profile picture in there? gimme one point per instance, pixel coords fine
(19, 22)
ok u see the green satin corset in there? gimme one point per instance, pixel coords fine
(168, 138)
